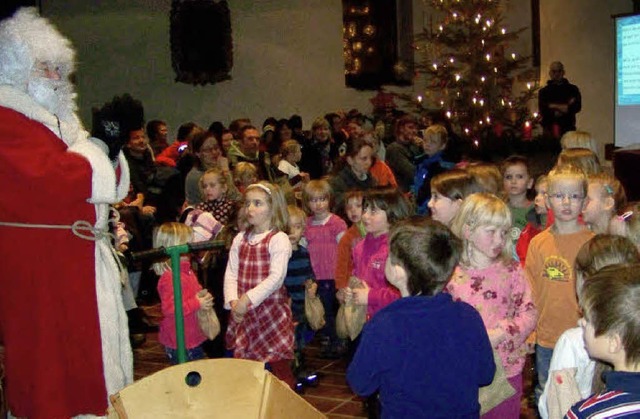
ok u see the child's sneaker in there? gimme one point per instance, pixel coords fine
(307, 378)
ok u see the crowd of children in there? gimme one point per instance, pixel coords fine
(505, 263)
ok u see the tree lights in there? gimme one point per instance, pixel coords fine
(466, 71)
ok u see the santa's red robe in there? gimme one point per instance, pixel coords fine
(61, 316)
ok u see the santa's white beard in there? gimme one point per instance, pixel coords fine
(56, 96)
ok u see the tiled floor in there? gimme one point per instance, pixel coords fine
(332, 396)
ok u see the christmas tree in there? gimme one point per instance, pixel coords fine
(465, 70)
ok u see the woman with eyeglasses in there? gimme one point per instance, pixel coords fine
(208, 155)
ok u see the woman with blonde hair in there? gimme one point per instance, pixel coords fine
(582, 158)
(578, 139)
(320, 154)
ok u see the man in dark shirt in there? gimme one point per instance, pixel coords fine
(403, 151)
(559, 102)
(247, 149)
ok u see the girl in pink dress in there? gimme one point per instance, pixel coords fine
(323, 232)
(260, 324)
(492, 282)
(174, 234)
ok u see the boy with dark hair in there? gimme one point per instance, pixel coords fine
(517, 181)
(610, 300)
(426, 354)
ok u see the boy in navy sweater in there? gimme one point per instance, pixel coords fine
(426, 354)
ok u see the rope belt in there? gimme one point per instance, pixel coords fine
(84, 230)
(80, 228)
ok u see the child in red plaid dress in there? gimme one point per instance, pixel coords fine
(260, 325)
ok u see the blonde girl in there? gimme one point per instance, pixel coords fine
(167, 235)
(605, 196)
(291, 154)
(582, 158)
(214, 185)
(244, 174)
(323, 232)
(578, 139)
(569, 352)
(492, 282)
(260, 325)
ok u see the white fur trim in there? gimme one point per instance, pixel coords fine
(104, 187)
(26, 38)
(117, 356)
(123, 187)
(20, 101)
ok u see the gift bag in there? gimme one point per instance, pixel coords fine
(355, 314)
(351, 317)
(563, 392)
(207, 320)
(313, 308)
(498, 391)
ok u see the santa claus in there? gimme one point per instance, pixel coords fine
(61, 316)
